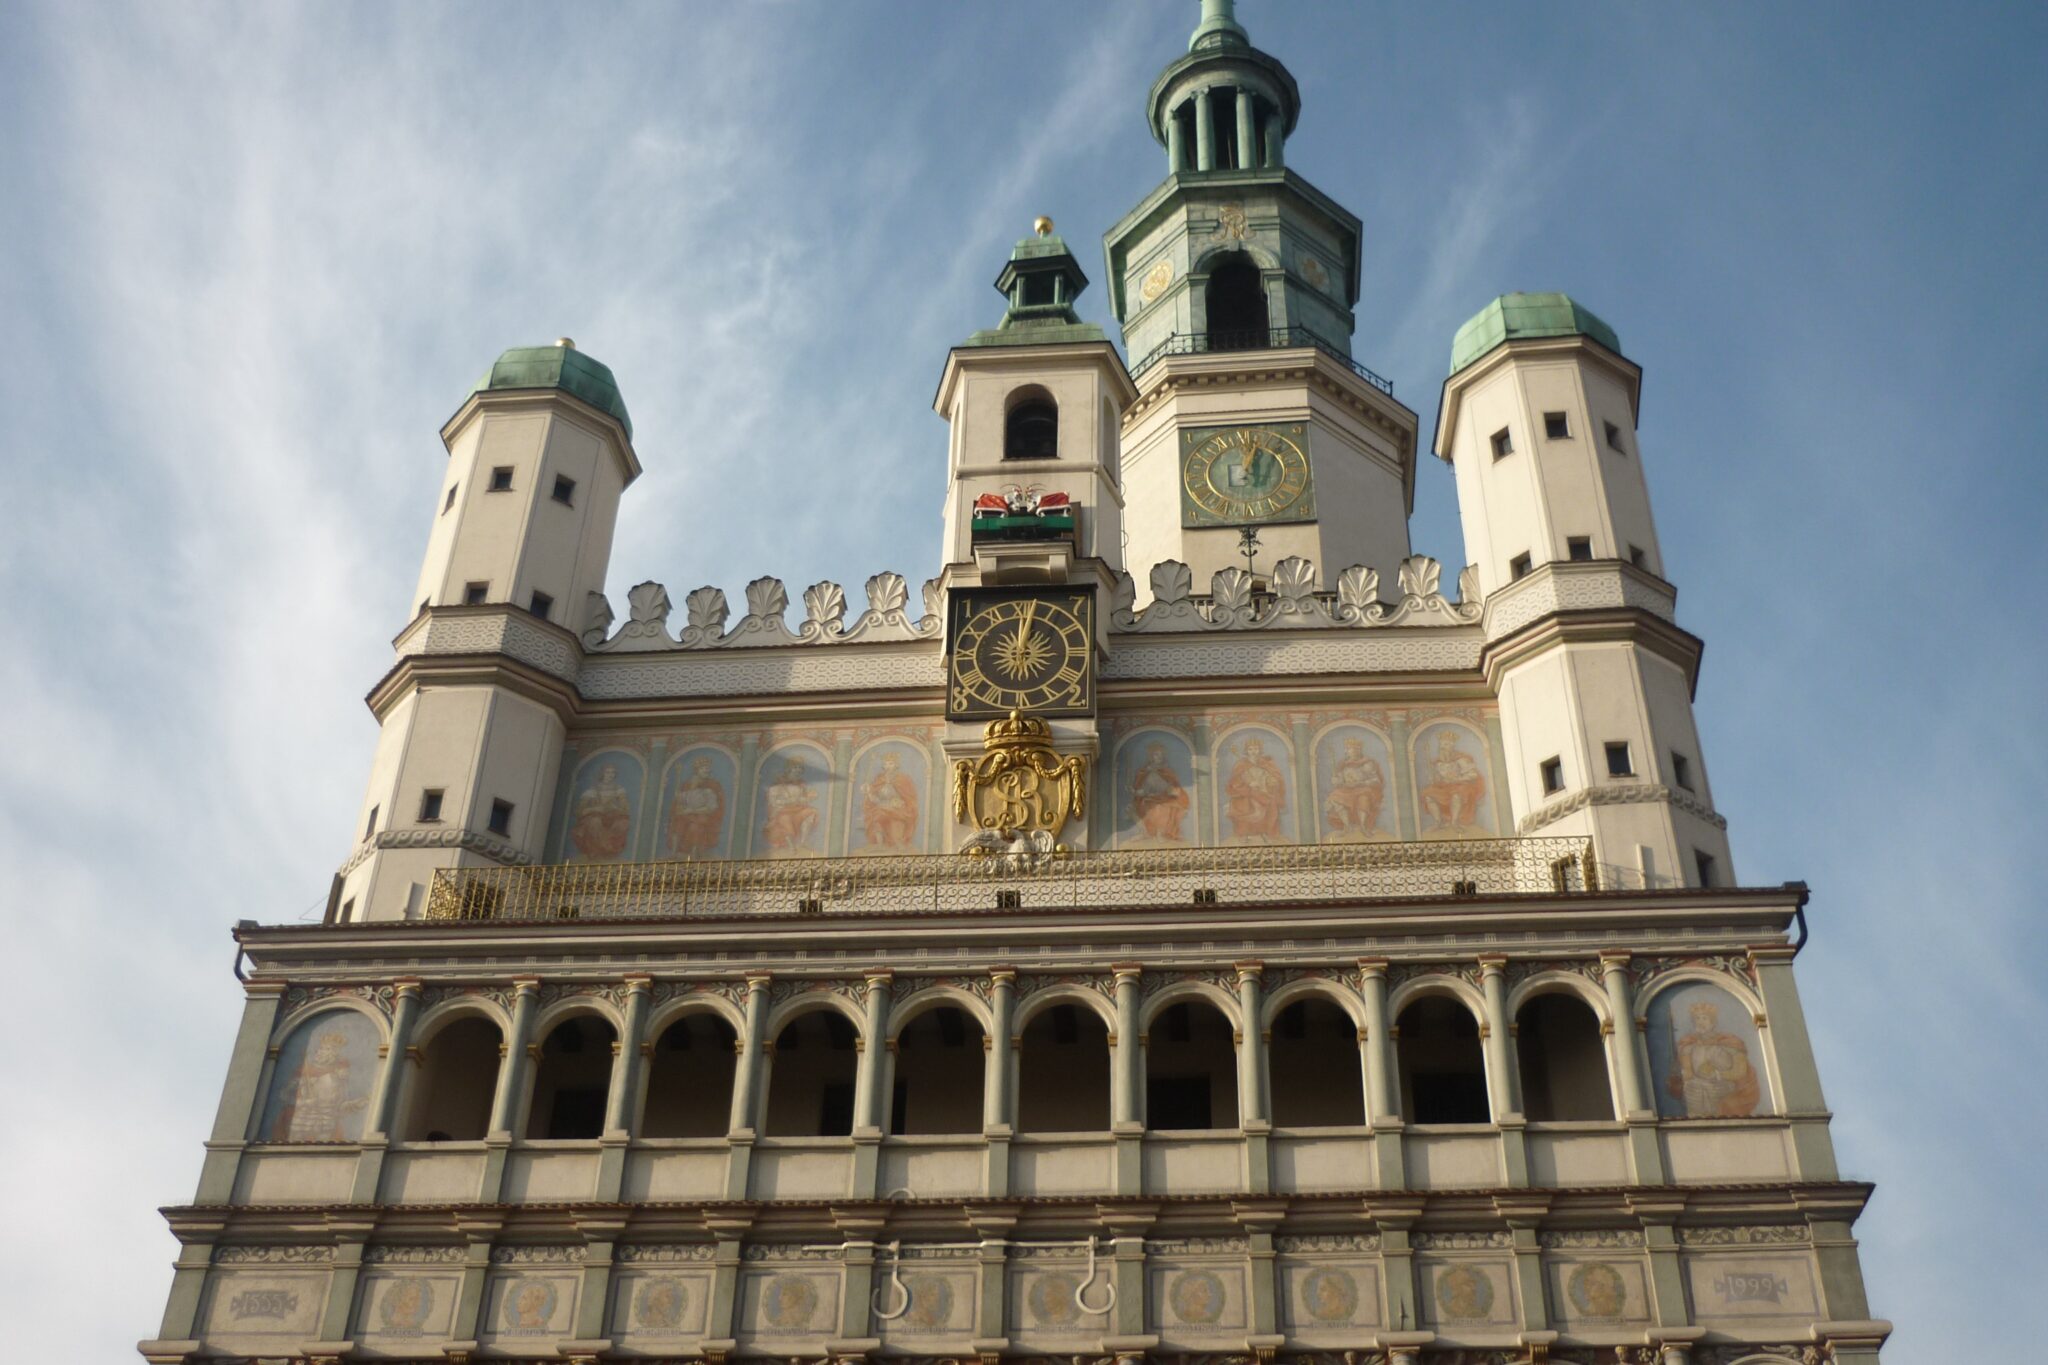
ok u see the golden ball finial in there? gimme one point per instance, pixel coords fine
(1042, 225)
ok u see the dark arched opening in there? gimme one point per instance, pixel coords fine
(1317, 1081)
(1236, 299)
(449, 1098)
(810, 1082)
(1063, 1072)
(1443, 1073)
(1032, 431)
(1563, 1062)
(1190, 1069)
(689, 1079)
(571, 1083)
(939, 1070)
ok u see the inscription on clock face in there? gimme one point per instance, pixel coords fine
(1237, 476)
(1031, 652)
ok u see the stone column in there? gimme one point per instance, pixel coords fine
(1176, 145)
(240, 1096)
(1500, 1078)
(871, 1075)
(384, 1094)
(188, 1287)
(511, 1088)
(1247, 121)
(1782, 1031)
(1381, 1109)
(1205, 132)
(746, 1085)
(618, 1104)
(1276, 142)
(1126, 1111)
(997, 1123)
(1253, 1115)
(1625, 1055)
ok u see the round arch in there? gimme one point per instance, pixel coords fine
(1040, 1001)
(697, 1002)
(925, 999)
(1559, 983)
(794, 1008)
(1180, 993)
(437, 1017)
(1328, 988)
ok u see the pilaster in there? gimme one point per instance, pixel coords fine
(505, 1101)
(384, 1095)
(746, 1086)
(1386, 1122)
(1625, 1055)
(238, 1097)
(997, 1123)
(1126, 1114)
(618, 1105)
(1783, 1029)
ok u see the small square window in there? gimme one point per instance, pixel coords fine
(501, 479)
(1637, 557)
(1681, 770)
(430, 804)
(1503, 444)
(1553, 776)
(1579, 547)
(501, 817)
(1703, 864)
(1555, 428)
(1614, 439)
(1619, 763)
(1519, 566)
(541, 605)
(348, 909)
(565, 491)
(449, 501)
(473, 594)
(370, 825)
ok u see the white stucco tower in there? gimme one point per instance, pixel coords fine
(538, 455)
(1595, 681)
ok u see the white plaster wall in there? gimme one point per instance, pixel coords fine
(1621, 474)
(489, 526)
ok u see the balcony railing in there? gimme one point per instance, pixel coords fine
(1195, 343)
(1193, 877)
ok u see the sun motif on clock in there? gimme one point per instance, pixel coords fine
(1238, 476)
(1028, 651)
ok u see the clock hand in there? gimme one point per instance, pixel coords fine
(1024, 625)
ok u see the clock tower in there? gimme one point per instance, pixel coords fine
(1234, 281)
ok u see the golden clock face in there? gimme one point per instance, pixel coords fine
(1236, 476)
(1032, 652)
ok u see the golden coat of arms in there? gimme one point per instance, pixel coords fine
(1020, 783)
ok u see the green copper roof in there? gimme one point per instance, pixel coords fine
(1041, 280)
(1219, 27)
(563, 367)
(1519, 317)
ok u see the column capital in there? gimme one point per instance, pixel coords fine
(1492, 964)
(638, 983)
(1249, 970)
(1615, 960)
(525, 985)
(257, 990)
(877, 977)
(1003, 976)
(1126, 971)
(1774, 953)
(758, 981)
(1373, 967)
(407, 986)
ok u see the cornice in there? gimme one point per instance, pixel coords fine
(1304, 365)
(1600, 626)
(1619, 794)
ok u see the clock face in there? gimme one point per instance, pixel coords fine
(1237, 476)
(1030, 651)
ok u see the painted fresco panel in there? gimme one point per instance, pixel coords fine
(940, 1303)
(604, 808)
(697, 813)
(1705, 1055)
(889, 798)
(1354, 779)
(786, 1302)
(264, 1306)
(660, 1304)
(1453, 782)
(1755, 1292)
(320, 1088)
(401, 1309)
(1463, 1295)
(1326, 1301)
(1154, 791)
(1254, 787)
(1594, 1294)
(1046, 1301)
(526, 1305)
(1194, 1301)
(790, 802)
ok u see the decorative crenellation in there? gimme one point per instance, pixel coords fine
(267, 1254)
(1293, 602)
(887, 617)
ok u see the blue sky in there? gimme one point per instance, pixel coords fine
(257, 254)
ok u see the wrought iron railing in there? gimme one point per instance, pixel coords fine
(1195, 343)
(1128, 878)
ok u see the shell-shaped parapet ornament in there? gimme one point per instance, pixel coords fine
(1020, 785)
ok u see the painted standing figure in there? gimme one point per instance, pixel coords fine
(1158, 801)
(1455, 785)
(604, 817)
(792, 811)
(888, 806)
(1257, 796)
(322, 1095)
(698, 816)
(1356, 788)
(1714, 1076)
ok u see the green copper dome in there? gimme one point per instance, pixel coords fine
(1521, 317)
(560, 366)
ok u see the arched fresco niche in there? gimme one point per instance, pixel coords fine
(1354, 776)
(1155, 786)
(789, 811)
(887, 804)
(1254, 799)
(320, 1088)
(604, 806)
(697, 804)
(1705, 1056)
(1453, 782)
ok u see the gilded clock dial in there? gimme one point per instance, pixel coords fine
(1032, 653)
(1232, 476)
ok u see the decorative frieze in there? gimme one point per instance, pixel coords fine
(1462, 1240)
(1576, 1239)
(1781, 1234)
(662, 1253)
(400, 1254)
(264, 1254)
(1326, 1243)
(536, 1255)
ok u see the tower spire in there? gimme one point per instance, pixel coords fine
(1219, 27)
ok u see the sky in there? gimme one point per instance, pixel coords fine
(257, 254)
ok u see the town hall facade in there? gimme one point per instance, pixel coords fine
(1187, 924)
